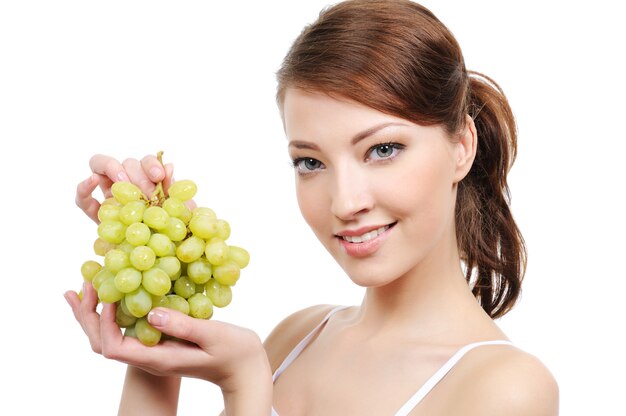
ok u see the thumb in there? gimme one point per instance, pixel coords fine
(179, 325)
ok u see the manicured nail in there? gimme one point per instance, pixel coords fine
(158, 317)
(155, 172)
(122, 176)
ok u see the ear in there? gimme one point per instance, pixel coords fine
(465, 149)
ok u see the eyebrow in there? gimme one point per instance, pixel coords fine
(301, 144)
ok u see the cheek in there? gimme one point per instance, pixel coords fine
(421, 192)
(310, 202)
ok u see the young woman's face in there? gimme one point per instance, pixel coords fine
(377, 190)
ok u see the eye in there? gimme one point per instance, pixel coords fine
(384, 151)
(306, 165)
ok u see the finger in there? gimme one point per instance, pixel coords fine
(153, 168)
(108, 167)
(110, 332)
(74, 301)
(109, 170)
(180, 325)
(139, 177)
(89, 318)
(84, 199)
(168, 180)
(154, 359)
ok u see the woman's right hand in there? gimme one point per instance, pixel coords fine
(144, 173)
(227, 355)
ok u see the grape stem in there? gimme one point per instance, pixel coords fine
(158, 196)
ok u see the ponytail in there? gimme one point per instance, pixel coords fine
(490, 242)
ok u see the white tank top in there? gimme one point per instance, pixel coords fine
(413, 400)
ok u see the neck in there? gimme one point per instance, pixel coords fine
(432, 303)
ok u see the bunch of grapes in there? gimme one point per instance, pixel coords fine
(157, 252)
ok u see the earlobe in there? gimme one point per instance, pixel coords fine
(466, 149)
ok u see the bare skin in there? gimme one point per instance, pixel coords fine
(398, 182)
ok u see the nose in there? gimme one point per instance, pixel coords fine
(351, 195)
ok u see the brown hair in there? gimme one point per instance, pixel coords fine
(397, 57)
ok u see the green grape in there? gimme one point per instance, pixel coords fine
(160, 301)
(220, 295)
(128, 279)
(122, 305)
(130, 332)
(178, 303)
(190, 249)
(126, 247)
(111, 201)
(108, 293)
(203, 226)
(138, 234)
(208, 212)
(156, 281)
(174, 207)
(146, 333)
(239, 255)
(184, 287)
(142, 258)
(227, 273)
(115, 260)
(132, 212)
(109, 212)
(100, 277)
(183, 190)
(216, 251)
(159, 253)
(126, 192)
(200, 306)
(100, 247)
(156, 217)
(175, 229)
(160, 244)
(223, 230)
(186, 216)
(122, 319)
(138, 302)
(112, 231)
(89, 269)
(199, 271)
(170, 265)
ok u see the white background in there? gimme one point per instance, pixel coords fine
(196, 79)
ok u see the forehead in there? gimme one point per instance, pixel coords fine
(309, 115)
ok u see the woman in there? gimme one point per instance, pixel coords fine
(401, 158)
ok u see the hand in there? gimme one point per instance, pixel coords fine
(144, 173)
(230, 356)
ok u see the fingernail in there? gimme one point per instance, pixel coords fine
(122, 176)
(155, 172)
(158, 317)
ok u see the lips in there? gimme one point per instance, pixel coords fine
(366, 236)
(364, 241)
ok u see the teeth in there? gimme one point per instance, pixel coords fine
(365, 237)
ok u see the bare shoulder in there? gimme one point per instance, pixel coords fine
(506, 380)
(291, 330)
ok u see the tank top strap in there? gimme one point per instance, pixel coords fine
(305, 341)
(441, 373)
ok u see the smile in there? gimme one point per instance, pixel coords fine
(366, 236)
